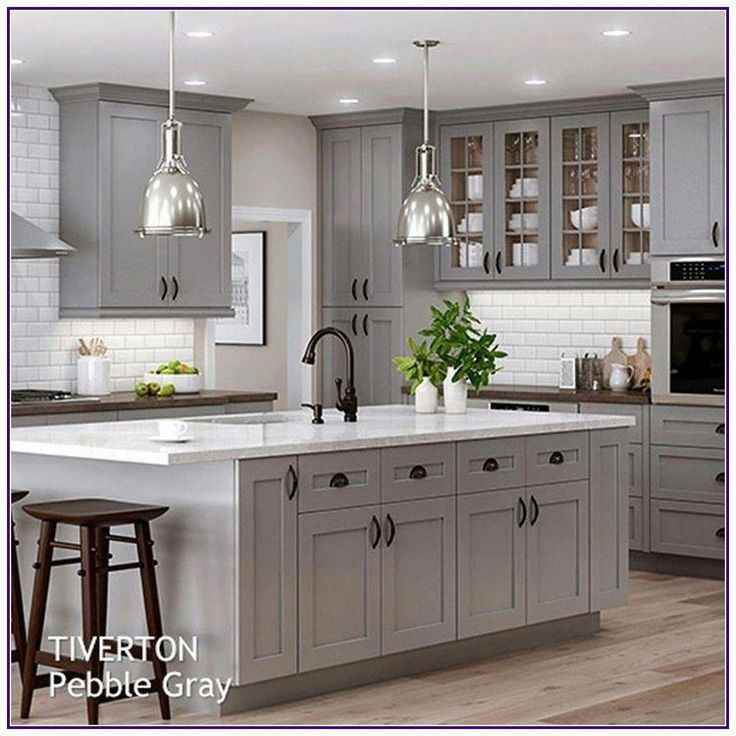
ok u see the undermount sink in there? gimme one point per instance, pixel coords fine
(246, 419)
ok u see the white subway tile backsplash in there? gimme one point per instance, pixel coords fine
(536, 327)
(44, 347)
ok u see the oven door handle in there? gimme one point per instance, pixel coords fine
(705, 296)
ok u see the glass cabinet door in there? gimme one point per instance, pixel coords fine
(580, 197)
(466, 155)
(630, 194)
(522, 199)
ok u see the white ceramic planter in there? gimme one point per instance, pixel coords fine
(426, 397)
(93, 375)
(455, 393)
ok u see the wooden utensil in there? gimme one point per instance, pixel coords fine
(83, 349)
(641, 362)
(616, 355)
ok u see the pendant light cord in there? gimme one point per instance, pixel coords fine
(426, 94)
(171, 64)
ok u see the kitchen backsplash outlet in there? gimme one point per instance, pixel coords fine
(536, 327)
(43, 347)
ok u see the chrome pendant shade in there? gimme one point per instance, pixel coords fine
(172, 202)
(426, 216)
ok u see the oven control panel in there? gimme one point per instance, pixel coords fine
(697, 271)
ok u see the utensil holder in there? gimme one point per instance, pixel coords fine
(93, 375)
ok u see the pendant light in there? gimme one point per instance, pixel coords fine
(173, 202)
(426, 216)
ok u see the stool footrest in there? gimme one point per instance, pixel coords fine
(118, 568)
(65, 561)
(65, 545)
(49, 659)
(122, 538)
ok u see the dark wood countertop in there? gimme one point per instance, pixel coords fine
(551, 393)
(129, 400)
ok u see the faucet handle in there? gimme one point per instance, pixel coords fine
(316, 413)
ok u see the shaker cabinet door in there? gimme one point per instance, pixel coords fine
(381, 337)
(331, 355)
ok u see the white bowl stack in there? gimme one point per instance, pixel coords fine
(525, 187)
(529, 222)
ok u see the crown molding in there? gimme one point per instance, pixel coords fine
(680, 90)
(367, 117)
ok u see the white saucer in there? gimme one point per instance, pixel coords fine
(158, 438)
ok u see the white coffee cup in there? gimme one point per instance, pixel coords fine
(172, 429)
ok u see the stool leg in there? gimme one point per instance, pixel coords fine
(90, 618)
(38, 613)
(102, 545)
(153, 610)
(18, 619)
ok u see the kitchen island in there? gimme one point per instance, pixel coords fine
(307, 558)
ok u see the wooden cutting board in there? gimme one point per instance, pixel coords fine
(616, 355)
(641, 362)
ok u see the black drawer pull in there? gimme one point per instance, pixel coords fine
(391, 530)
(365, 325)
(602, 261)
(534, 515)
(490, 465)
(354, 324)
(353, 290)
(721, 478)
(418, 472)
(486, 257)
(615, 260)
(721, 533)
(166, 288)
(498, 262)
(365, 289)
(293, 483)
(556, 458)
(714, 234)
(522, 507)
(339, 480)
(721, 429)
(377, 529)
(176, 289)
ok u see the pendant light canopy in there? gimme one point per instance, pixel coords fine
(426, 216)
(173, 202)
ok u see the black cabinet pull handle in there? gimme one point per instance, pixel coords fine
(522, 507)
(714, 234)
(534, 515)
(721, 533)
(721, 429)
(486, 258)
(602, 260)
(490, 465)
(354, 324)
(418, 472)
(339, 480)
(498, 262)
(176, 289)
(556, 458)
(353, 290)
(365, 325)
(391, 534)
(293, 483)
(377, 529)
(615, 260)
(721, 478)
(365, 289)
(166, 288)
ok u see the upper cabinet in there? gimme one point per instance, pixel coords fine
(110, 144)
(688, 214)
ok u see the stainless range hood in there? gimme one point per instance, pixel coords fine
(29, 241)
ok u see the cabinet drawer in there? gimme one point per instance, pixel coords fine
(688, 474)
(636, 523)
(694, 529)
(420, 471)
(338, 480)
(557, 457)
(489, 465)
(689, 426)
(633, 434)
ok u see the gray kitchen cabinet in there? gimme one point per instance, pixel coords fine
(417, 471)
(555, 458)
(691, 529)
(113, 134)
(491, 562)
(688, 474)
(267, 595)
(636, 524)
(557, 539)
(609, 529)
(521, 206)
(580, 197)
(688, 426)
(466, 166)
(339, 587)
(332, 355)
(418, 574)
(688, 213)
(488, 465)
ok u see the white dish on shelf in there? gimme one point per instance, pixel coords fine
(585, 218)
(583, 256)
(636, 214)
(524, 254)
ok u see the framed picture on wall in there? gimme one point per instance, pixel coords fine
(248, 326)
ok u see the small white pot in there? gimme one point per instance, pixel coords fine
(93, 375)
(455, 393)
(426, 397)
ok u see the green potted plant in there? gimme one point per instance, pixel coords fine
(425, 372)
(468, 354)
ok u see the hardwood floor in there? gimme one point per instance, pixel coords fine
(659, 661)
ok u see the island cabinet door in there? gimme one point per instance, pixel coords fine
(609, 511)
(491, 562)
(557, 552)
(418, 591)
(339, 587)
(268, 573)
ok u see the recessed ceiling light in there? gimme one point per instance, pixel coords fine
(199, 34)
(195, 82)
(535, 82)
(384, 60)
(17, 61)
(616, 32)
(349, 100)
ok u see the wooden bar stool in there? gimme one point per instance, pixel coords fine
(94, 517)
(17, 617)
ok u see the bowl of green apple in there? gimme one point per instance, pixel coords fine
(186, 379)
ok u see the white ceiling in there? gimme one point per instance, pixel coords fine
(304, 61)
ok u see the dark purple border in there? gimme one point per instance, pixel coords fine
(723, 8)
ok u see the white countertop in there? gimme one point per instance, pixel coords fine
(291, 432)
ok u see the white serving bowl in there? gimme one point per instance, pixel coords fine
(636, 214)
(184, 383)
(585, 218)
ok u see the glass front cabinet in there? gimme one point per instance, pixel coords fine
(521, 170)
(630, 194)
(580, 197)
(466, 153)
